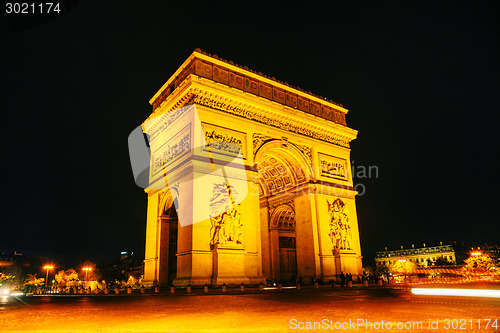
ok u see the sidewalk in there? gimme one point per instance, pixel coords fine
(230, 290)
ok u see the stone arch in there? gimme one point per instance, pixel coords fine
(168, 237)
(168, 200)
(282, 166)
(282, 240)
(283, 217)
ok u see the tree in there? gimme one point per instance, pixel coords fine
(131, 282)
(369, 272)
(402, 267)
(6, 279)
(441, 261)
(479, 263)
(67, 279)
(382, 271)
(32, 283)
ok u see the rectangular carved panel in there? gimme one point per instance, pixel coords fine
(278, 95)
(342, 119)
(221, 74)
(337, 117)
(315, 109)
(333, 167)
(224, 140)
(251, 86)
(265, 90)
(203, 69)
(174, 148)
(303, 104)
(236, 80)
(291, 99)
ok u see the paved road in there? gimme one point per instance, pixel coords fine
(271, 312)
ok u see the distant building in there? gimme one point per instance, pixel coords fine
(464, 249)
(425, 256)
(126, 255)
(12, 263)
(121, 270)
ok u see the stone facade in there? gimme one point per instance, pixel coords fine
(424, 256)
(291, 213)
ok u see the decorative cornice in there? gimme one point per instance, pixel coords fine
(263, 116)
(230, 62)
(199, 91)
(237, 77)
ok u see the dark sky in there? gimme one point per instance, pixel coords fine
(421, 81)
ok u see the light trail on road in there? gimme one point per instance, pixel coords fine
(457, 292)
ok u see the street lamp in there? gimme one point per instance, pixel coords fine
(87, 270)
(47, 267)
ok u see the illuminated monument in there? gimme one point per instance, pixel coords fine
(283, 210)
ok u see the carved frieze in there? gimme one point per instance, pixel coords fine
(195, 96)
(171, 150)
(225, 141)
(262, 117)
(333, 167)
(263, 88)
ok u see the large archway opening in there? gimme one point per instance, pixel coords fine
(283, 219)
(168, 242)
(283, 172)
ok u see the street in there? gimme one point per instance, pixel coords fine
(337, 309)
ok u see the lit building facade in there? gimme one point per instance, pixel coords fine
(424, 256)
(297, 219)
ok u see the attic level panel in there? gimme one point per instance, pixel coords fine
(254, 83)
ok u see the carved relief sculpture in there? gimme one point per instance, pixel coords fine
(223, 142)
(226, 228)
(259, 140)
(333, 167)
(340, 228)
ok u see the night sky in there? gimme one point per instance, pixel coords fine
(421, 81)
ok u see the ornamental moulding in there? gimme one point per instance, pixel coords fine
(289, 201)
(255, 114)
(195, 95)
(224, 73)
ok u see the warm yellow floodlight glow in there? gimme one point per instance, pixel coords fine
(476, 253)
(47, 267)
(87, 270)
(457, 292)
(17, 293)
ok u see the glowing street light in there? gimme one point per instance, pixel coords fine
(87, 270)
(47, 267)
